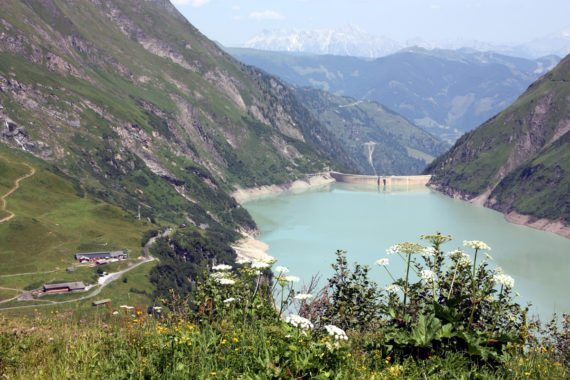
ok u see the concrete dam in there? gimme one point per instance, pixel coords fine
(383, 181)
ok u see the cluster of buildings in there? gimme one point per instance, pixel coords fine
(100, 258)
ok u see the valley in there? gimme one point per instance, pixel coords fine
(173, 208)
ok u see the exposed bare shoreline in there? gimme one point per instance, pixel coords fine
(249, 247)
(539, 224)
(316, 181)
(546, 225)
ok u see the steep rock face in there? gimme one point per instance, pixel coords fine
(129, 98)
(519, 161)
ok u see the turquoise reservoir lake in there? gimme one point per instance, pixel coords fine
(304, 230)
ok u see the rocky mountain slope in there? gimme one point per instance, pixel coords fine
(132, 102)
(380, 141)
(519, 161)
(445, 92)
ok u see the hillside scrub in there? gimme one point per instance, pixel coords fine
(450, 315)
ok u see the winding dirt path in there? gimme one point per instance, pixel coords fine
(11, 191)
(147, 257)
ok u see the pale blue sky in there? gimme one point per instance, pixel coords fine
(232, 22)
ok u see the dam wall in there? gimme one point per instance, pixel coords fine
(384, 181)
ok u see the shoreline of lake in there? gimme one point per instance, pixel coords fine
(304, 230)
(326, 179)
(245, 195)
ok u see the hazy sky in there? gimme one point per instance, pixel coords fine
(232, 22)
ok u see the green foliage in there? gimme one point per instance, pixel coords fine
(354, 298)
(231, 327)
(184, 257)
(54, 221)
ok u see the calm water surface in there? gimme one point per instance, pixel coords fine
(304, 230)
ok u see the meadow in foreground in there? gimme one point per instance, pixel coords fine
(450, 315)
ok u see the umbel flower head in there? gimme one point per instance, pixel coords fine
(336, 332)
(221, 267)
(281, 270)
(260, 265)
(405, 248)
(427, 275)
(298, 321)
(503, 279)
(428, 252)
(393, 288)
(383, 262)
(303, 296)
(461, 257)
(225, 281)
(437, 238)
(476, 244)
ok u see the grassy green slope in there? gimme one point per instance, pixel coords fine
(519, 158)
(53, 221)
(540, 187)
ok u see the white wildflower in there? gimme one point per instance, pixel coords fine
(383, 262)
(260, 265)
(127, 307)
(243, 260)
(303, 296)
(427, 275)
(225, 281)
(230, 300)
(115, 312)
(476, 244)
(281, 270)
(462, 258)
(218, 275)
(488, 257)
(428, 252)
(291, 279)
(298, 321)
(336, 333)
(504, 279)
(393, 288)
(222, 267)
(393, 250)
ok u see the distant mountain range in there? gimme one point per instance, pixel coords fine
(347, 42)
(445, 92)
(352, 41)
(519, 161)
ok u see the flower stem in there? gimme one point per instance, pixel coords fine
(390, 274)
(406, 284)
(282, 300)
(452, 281)
(473, 287)
(498, 311)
